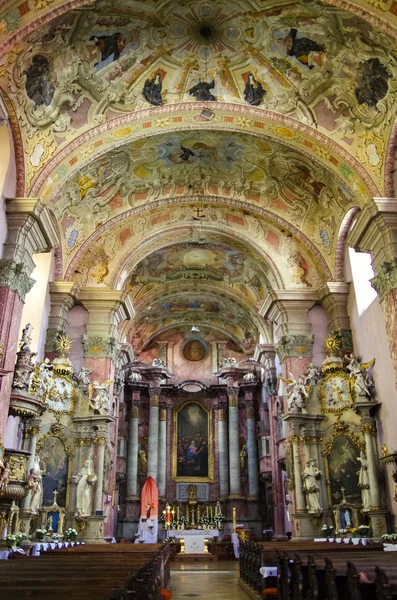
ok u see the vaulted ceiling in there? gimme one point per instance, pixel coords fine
(197, 154)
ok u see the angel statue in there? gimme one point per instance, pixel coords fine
(297, 394)
(26, 337)
(100, 403)
(312, 375)
(362, 381)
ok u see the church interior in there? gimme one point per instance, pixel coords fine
(198, 283)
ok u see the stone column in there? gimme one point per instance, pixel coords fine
(153, 443)
(132, 457)
(234, 447)
(223, 457)
(300, 503)
(31, 435)
(252, 451)
(30, 230)
(334, 296)
(63, 296)
(99, 473)
(162, 462)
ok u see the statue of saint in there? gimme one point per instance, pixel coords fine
(243, 459)
(142, 461)
(26, 338)
(363, 482)
(297, 394)
(87, 478)
(310, 476)
(36, 495)
(5, 473)
(362, 381)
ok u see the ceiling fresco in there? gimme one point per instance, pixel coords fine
(321, 65)
(198, 154)
(267, 175)
(208, 312)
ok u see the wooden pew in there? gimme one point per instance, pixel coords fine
(97, 572)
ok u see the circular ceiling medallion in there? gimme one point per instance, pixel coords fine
(194, 350)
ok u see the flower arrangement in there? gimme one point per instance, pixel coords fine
(354, 530)
(40, 533)
(11, 540)
(363, 530)
(71, 534)
(327, 530)
(390, 537)
(21, 537)
(56, 537)
(342, 531)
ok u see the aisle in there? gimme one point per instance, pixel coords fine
(206, 582)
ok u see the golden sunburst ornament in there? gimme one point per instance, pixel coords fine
(332, 344)
(63, 345)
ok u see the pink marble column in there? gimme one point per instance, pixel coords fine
(11, 307)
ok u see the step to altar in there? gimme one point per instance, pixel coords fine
(189, 558)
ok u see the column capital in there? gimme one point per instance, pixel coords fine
(375, 231)
(386, 279)
(63, 296)
(333, 296)
(294, 345)
(15, 277)
(289, 308)
(232, 396)
(30, 229)
(96, 346)
(106, 309)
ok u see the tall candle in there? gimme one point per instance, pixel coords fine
(234, 519)
(211, 512)
(206, 511)
(198, 513)
(177, 512)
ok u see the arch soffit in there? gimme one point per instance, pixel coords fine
(166, 236)
(379, 14)
(234, 118)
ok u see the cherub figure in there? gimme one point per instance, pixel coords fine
(312, 375)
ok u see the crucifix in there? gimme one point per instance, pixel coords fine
(55, 492)
(342, 489)
(198, 214)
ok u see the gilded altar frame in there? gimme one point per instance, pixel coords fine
(56, 432)
(340, 429)
(188, 478)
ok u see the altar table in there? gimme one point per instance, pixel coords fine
(193, 541)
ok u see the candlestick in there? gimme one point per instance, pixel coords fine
(234, 519)
(211, 512)
(206, 511)
(198, 513)
(177, 512)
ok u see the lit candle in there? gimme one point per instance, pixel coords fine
(234, 519)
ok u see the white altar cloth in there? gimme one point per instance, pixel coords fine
(208, 533)
(42, 547)
(268, 571)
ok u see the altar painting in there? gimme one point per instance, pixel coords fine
(343, 468)
(192, 460)
(54, 468)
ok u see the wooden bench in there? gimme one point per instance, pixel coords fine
(89, 572)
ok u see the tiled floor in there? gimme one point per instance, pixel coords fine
(213, 580)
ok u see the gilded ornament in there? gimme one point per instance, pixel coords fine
(332, 345)
(63, 345)
(368, 428)
(385, 450)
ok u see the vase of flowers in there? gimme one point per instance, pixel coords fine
(71, 534)
(363, 530)
(11, 541)
(40, 533)
(21, 537)
(390, 538)
(327, 530)
(342, 533)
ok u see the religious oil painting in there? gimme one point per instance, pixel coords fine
(54, 469)
(192, 457)
(343, 469)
